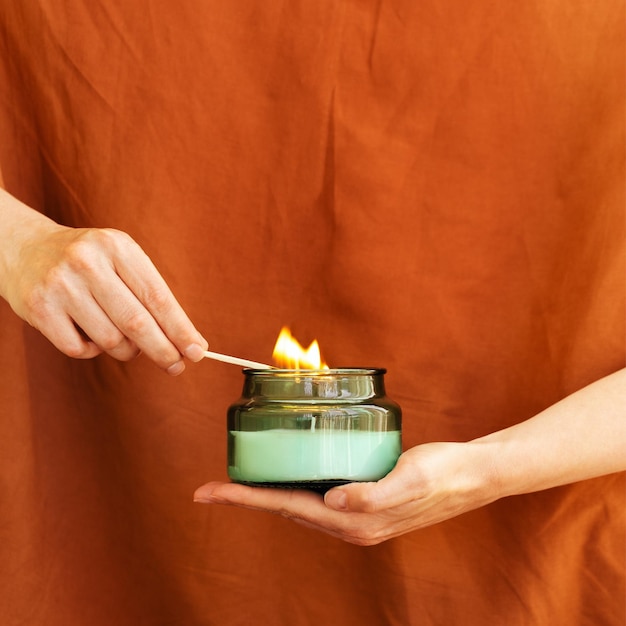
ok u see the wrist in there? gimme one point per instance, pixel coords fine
(20, 226)
(494, 481)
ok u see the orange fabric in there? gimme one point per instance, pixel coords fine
(432, 187)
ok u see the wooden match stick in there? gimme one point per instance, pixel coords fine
(216, 356)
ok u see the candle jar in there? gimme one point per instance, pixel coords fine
(312, 429)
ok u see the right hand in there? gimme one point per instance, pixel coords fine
(92, 290)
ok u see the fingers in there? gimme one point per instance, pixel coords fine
(301, 506)
(290, 503)
(150, 314)
(132, 320)
(102, 335)
(70, 339)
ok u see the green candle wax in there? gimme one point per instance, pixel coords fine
(290, 455)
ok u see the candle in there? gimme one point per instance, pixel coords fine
(313, 429)
(288, 455)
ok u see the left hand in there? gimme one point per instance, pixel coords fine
(430, 483)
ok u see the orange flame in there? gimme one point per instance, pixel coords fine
(289, 354)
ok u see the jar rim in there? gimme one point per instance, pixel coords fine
(335, 371)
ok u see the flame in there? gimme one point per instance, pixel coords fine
(289, 354)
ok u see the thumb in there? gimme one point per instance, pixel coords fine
(360, 497)
(394, 489)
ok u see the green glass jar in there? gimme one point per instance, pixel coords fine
(313, 429)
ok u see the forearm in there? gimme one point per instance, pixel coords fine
(582, 436)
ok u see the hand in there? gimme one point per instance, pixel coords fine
(94, 290)
(430, 483)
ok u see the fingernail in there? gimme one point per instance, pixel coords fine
(194, 352)
(203, 496)
(336, 499)
(176, 368)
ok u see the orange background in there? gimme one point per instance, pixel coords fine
(433, 187)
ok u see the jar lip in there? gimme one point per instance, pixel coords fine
(335, 371)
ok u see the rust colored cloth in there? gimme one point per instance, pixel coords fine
(434, 187)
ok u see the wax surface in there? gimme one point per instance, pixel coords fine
(301, 455)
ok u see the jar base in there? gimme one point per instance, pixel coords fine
(319, 486)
